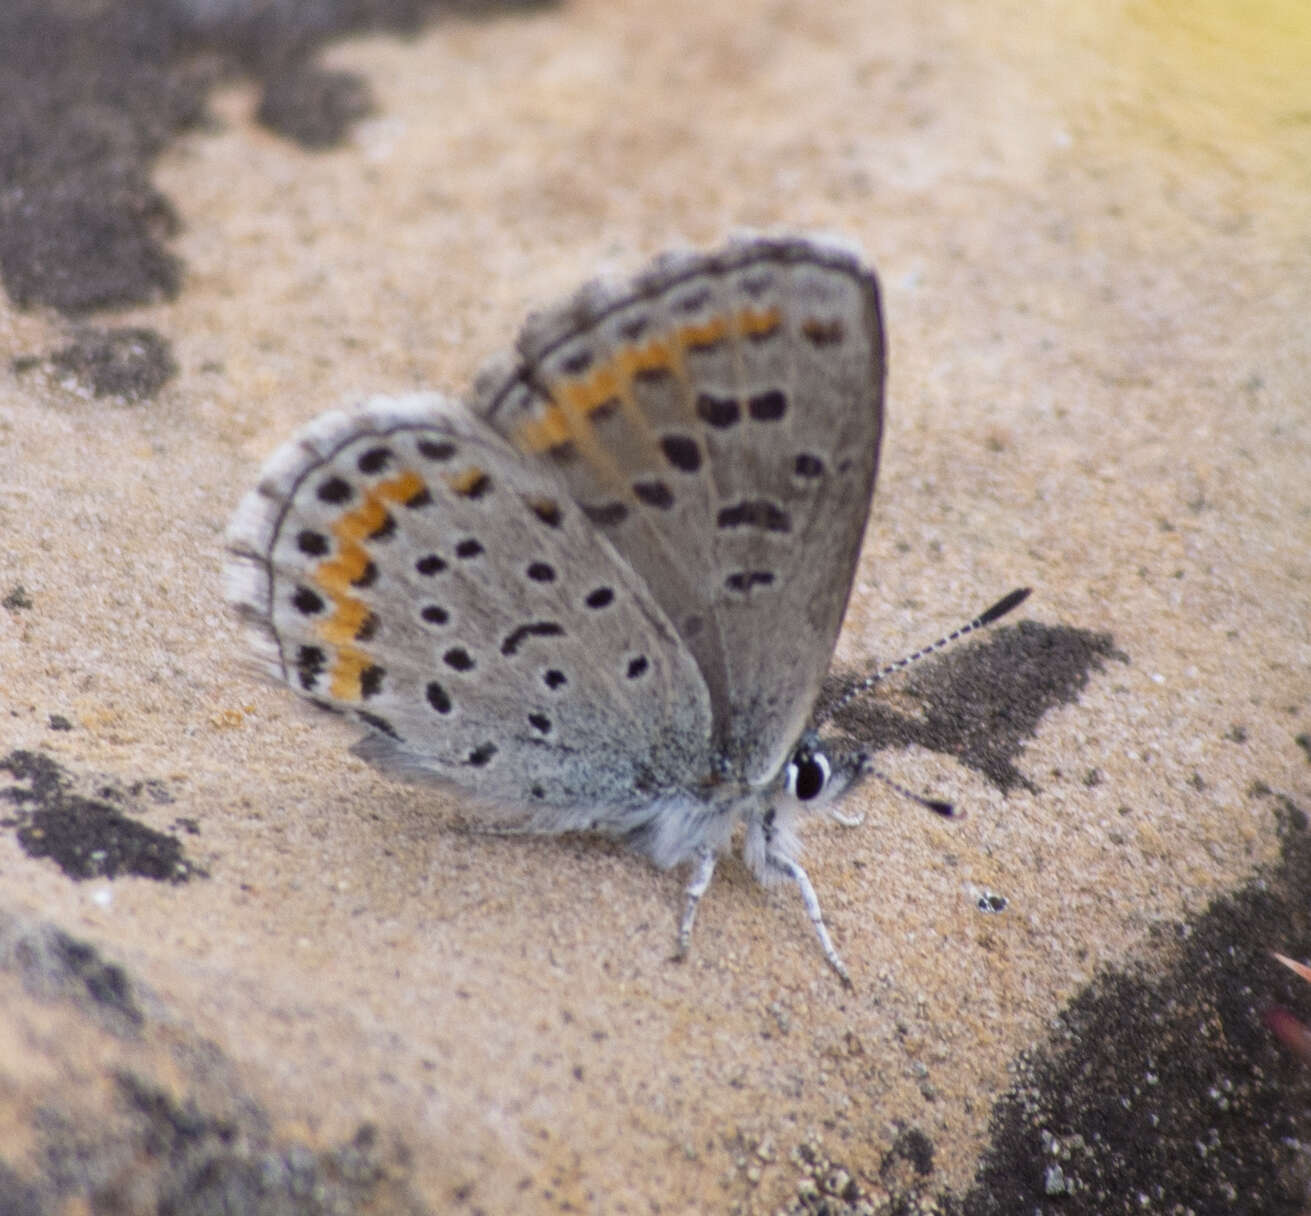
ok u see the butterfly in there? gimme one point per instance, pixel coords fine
(602, 594)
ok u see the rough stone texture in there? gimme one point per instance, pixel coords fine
(1092, 231)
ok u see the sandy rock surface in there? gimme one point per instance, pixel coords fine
(236, 959)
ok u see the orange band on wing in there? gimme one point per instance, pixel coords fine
(573, 401)
(347, 567)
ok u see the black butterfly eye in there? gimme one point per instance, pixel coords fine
(808, 774)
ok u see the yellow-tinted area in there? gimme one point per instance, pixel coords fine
(1212, 95)
(1222, 66)
(335, 576)
(573, 401)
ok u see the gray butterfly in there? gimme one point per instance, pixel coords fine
(603, 595)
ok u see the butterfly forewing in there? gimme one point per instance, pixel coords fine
(718, 419)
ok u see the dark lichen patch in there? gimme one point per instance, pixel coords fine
(197, 1154)
(16, 599)
(91, 94)
(124, 1109)
(1160, 1088)
(313, 106)
(129, 363)
(88, 837)
(826, 1184)
(981, 703)
(53, 964)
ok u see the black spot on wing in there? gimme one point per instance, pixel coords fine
(757, 513)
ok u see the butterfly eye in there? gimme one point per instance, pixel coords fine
(808, 774)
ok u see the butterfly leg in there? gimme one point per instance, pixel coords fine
(788, 868)
(847, 821)
(768, 852)
(703, 870)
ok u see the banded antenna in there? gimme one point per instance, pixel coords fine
(1004, 605)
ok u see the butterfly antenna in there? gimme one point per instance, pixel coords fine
(986, 617)
(936, 805)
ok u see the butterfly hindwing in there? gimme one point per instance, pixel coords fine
(405, 566)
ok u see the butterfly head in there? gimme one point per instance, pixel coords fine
(821, 770)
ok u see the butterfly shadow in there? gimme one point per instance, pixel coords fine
(979, 703)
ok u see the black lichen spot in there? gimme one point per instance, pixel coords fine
(600, 597)
(468, 548)
(743, 580)
(554, 679)
(768, 406)
(368, 627)
(434, 614)
(541, 572)
(719, 412)
(537, 792)
(16, 599)
(807, 465)
(368, 576)
(374, 460)
(682, 452)
(131, 363)
(823, 333)
(547, 510)
(307, 601)
(755, 513)
(436, 449)
(458, 659)
(537, 629)
(313, 105)
(540, 723)
(384, 530)
(371, 680)
(607, 515)
(311, 543)
(430, 564)
(654, 494)
(482, 755)
(66, 960)
(334, 491)
(379, 723)
(638, 667)
(310, 662)
(85, 837)
(438, 697)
